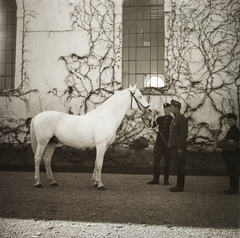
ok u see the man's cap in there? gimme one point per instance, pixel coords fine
(231, 116)
(166, 105)
(175, 103)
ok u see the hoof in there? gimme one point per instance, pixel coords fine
(38, 186)
(54, 184)
(95, 185)
(101, 188)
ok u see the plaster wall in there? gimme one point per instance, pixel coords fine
(51, 45)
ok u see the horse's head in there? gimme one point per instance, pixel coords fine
(137, 99)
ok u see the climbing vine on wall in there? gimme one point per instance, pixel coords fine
(15, 131)
(202, 63)
(91, 77)
(23, 90)
(202, 66)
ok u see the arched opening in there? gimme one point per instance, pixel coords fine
(154, 81)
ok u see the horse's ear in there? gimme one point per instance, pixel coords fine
(134, 88)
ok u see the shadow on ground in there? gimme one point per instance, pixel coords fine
(128, 199)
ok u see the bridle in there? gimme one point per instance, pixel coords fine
(140, 106)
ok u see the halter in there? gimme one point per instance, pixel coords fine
(138, 103)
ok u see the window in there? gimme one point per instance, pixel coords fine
(143, 43)
(8, 22)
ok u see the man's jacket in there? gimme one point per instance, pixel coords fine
(178, 132)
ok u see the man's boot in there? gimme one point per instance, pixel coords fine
(180, 183)
(234, 186)
(166, 176)
(155, 176)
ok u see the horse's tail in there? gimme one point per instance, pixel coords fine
(33, 137)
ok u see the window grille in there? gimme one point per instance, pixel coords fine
(143, 42)
(8, 23)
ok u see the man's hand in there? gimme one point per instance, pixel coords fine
(180, 152)
(150, 116)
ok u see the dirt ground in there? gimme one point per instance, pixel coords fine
(128, 208)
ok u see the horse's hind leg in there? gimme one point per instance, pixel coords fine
(47, 162)
(38, 158)
(95, 184)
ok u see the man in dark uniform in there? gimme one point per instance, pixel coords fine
(160, 148)
(232, 158)
(178, 144)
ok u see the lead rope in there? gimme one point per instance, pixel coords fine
(131, 98)
(138, 103)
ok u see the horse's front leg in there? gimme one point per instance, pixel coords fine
(98, 167)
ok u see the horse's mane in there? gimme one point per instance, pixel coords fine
(111, 101)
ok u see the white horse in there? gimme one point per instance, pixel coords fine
(95, 129)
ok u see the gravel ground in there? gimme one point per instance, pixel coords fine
(128, 208)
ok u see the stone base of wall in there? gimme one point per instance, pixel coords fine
(117, 160)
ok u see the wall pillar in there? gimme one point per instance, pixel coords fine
(118, 39)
